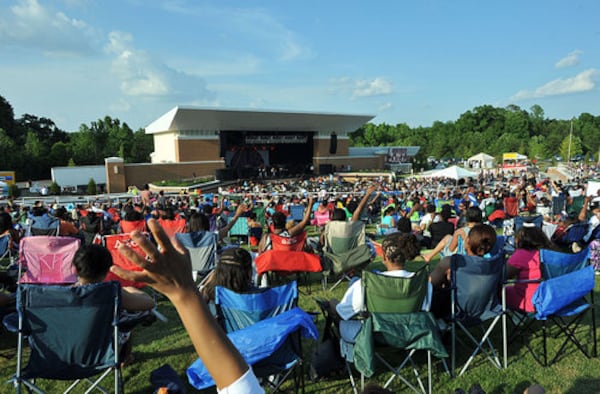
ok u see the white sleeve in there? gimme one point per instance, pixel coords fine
(352, 302)
(246, 384)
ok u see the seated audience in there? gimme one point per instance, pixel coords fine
(455, 243)
(524, 264)
(168, 271)
(480, 241)
(92, 263)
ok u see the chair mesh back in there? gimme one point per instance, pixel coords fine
(388, 294)
(48, 259)
(556, 264)
(70, 329)
(202, 246)
(295, 243)
(240, 310)
(475, 283)
(536, 220)
(343, 236)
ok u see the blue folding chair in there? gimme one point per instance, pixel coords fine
(260, 342)
(237, 311)
(536, 220)
(475, 282)
(564, 297)
(297, 212)
(5, 250)
(72, 333)
(202, 246)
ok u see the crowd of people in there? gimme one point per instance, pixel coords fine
(413, 219)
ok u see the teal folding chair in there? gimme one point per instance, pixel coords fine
(72, 333)
(476, 308)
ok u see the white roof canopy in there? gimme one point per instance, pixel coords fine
(190, 118)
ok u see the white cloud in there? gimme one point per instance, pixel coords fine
(246, 28)
(572, 59)
(581, 82)
(385, 107)
(142, 75)
(361, 87)
(28, 24)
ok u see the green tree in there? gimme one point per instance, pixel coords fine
(91, 186)
(54, 188)
(59, 154)
(142, 146)
(575, 143)
(7, 118)
(14, 191)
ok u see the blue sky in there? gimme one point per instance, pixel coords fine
(412, 62)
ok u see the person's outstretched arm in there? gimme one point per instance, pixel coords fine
(241, 208)
(298, 228)
(363, 202)
(168, 269)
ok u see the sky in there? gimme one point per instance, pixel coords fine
(413, 62)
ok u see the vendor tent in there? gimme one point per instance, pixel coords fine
(481, 160)
(454, 172)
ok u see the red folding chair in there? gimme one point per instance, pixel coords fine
(173, 226)
(280, 263)
(112, 243)
(128, 226)
(295, 243)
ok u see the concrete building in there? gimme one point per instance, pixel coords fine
(192, 142)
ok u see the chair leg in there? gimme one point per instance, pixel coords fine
(352, 382)
(429, 388)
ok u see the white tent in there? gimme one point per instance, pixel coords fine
(481, 160)
(454, 172)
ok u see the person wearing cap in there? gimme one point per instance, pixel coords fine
(591, 214)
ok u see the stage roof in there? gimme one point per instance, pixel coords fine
(193, 118)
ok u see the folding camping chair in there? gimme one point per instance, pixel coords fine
(237, 311)
(536, 220)
(474, 283)
(172, 227)
(202, 246)
(276, 263)
(262, 344)
(5, 248)
(511, 206)
(72, 333)
(575, 232)
(320, 219)
(47, 227)
(295, 243)
(240, 229)
(394, 319)
(345, 249)
(112, 243)
(128, 226)
(564, 297)
(47, 259)
(297, 212)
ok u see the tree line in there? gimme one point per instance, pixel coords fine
(31, 145)
(492, 130)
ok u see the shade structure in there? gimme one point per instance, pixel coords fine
(454, 172)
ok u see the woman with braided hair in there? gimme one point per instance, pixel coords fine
(233, 271)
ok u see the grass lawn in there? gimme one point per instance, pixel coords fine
(168, 343)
